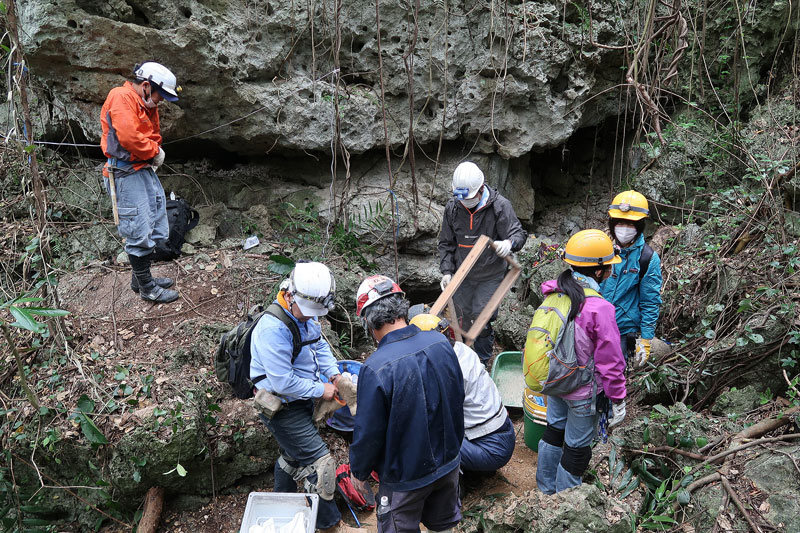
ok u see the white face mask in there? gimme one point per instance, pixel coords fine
(624, 234)
(469, 203)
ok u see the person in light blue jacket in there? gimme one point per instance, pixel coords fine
(635, 284)
(296, 380)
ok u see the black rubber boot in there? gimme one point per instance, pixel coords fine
(161, 282)
(148, 287)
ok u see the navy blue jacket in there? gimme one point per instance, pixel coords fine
(410, 419)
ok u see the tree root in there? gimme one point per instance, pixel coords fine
(739, 505)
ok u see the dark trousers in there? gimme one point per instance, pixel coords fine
(437, 506)
(469, 300)
(300, 445)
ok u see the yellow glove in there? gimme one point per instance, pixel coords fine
(642, 354)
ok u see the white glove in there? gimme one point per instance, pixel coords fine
(618, 410)
(503, 248)
(158, 160)
(445, 280)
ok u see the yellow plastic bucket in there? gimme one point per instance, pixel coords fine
(534, 402)
(535, 417)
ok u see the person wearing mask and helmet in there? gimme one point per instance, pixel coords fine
(477, 209)
(565, 448)
(635, 284)
(489, 436)
(296, 380)
(131, 141)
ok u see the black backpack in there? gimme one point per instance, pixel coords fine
(644, 260)
(232, 360)
(182, 218)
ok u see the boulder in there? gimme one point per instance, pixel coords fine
(736, 401)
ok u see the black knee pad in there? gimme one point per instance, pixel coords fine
(553, 436)
(576, 460)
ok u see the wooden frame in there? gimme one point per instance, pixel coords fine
(445, 299)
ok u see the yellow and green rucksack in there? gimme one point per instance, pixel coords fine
(549, 360)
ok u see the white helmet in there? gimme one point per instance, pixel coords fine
(467, 180)
(159, 77)
(313, 288)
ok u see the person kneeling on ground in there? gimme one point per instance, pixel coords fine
(296, 380)
(410, 421)
(489, 435)
(565, 451)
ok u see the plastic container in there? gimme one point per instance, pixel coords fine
(281, 507)
(533, 430)
(535, 407)
(534, 402)
(342, 419)
(508, 376)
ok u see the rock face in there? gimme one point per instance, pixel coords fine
(582, 509)
(507, 79)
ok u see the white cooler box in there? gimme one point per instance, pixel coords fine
(281, 507)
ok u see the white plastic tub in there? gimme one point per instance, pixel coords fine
(281, 507)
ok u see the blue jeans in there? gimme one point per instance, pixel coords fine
(300, 445)
(142, 210)
(578, 420)
(490, 452)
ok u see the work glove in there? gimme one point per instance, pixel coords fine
(347, 392)
(642, 353)
(502, 248)
(445, 280)
(618, 410)
(158, 160)
(325, 409)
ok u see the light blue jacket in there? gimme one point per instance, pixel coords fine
(271, 355)
(637, 303)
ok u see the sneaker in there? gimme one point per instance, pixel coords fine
(154, 293)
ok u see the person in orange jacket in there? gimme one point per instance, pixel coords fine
(132, 143)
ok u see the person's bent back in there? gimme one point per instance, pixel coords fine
(410, 423)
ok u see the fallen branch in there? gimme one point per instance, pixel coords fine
(670, 449)
(153, 505)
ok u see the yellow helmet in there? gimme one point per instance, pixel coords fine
(629, 205)
(429, 322)
(591, 247)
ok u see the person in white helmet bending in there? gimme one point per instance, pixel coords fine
(294, 376)
(132, 143)
(477, 209)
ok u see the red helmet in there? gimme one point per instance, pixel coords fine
(373, 289)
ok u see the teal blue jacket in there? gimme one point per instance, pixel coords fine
(637, 303)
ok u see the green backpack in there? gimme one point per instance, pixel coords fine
(232, 360)
(550, 362)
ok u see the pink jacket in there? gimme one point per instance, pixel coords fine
(596, 333)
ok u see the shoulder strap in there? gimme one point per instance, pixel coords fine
(278, 312)
(644, 260)
(591, 293)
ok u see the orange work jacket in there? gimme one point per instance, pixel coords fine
(131, 131)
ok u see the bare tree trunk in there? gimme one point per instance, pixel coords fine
(20, 78)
